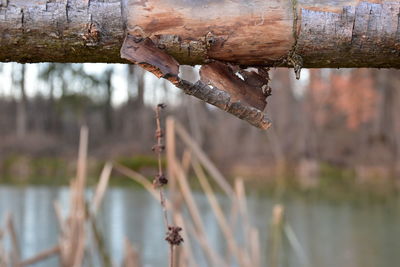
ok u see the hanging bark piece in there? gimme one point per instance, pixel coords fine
(247, 90)
(144, 53)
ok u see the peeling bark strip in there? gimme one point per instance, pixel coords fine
(143, 52)
(248, 90)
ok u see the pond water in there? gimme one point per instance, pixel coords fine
(330, 234)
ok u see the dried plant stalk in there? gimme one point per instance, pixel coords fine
(101, 187)
(255, 246)
(160, 180)
(41, 256)
(242, 201)
(170, 153)
(226, 229)
(178, 218)
(202, 157)
(137, 177)
(195, 213)
(16, 253)
(131, 257)
(72, 244)
(173, 236)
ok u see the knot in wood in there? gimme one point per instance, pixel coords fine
(210, 40)
(91, 35)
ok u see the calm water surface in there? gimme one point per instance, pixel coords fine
(330, 234)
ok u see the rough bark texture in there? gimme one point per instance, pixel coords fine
(222, 100)
(299, 33)
(61, 30)
(245, 32)
(349, 33)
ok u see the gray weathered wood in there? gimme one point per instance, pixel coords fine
(61, 31)
(350, 34)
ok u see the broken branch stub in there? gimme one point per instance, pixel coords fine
(246, 105)
(222, 100)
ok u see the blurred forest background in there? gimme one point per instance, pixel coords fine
(339, 124)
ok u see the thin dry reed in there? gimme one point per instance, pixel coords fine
(246, 255)
(173, 236)
(80, 239)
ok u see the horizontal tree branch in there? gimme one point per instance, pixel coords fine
(291, 33)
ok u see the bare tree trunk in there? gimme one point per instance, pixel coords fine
(108, 110)
(389, 126)
(136, 77)
(50, 110)
(297, 33)
(311, 129)
(139, 100)
(21, 117)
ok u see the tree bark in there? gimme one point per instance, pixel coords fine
(61, 30)
(293, 33)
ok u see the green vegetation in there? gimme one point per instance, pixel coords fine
(22, 170)
(139, 162)
(335, 183)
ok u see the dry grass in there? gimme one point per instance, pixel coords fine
(80, 239)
